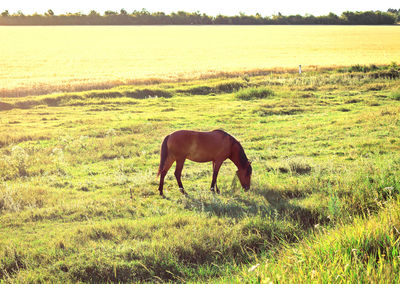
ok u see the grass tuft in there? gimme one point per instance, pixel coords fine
(254, 93)
(395, 95)
(296, 165)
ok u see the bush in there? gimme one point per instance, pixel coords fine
(358, 68)
(390, 72)
(362, 68)
(254, 93)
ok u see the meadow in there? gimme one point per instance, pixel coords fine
(79, 199)
(45, 59)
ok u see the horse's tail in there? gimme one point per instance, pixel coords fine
(164, 154)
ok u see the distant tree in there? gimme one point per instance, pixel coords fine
(278, 19)
(369, 18)
(330, 19)
(180, 18)
(19, 14)
(93, 13)
(110, 13)
(160, 18)
(5, 13)
(144, 17)
(49, 13)
(396, 13)
(144, 12)
(77, 14)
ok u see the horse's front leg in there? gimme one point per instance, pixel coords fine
(216, 167)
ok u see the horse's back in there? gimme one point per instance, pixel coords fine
(199, 146)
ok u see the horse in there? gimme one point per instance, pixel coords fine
(215, 146)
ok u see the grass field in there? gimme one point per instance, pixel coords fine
(79, 199)
(50, 59)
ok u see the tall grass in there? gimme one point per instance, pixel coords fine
(365, 250)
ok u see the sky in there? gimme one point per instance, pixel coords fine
(210, 7)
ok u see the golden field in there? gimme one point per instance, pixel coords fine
(36, 60)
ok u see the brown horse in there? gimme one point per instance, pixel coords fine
(215, 146)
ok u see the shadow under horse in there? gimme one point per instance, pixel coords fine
(215, 146)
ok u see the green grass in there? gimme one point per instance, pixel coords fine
(78, 186)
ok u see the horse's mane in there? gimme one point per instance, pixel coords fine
(242, 156)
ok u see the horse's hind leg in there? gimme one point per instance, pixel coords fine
(167, 166)
(178, 174)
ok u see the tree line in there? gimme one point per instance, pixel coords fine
(144, 17)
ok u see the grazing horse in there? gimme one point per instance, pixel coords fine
(215, 146)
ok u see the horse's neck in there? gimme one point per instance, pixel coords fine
(235, 155)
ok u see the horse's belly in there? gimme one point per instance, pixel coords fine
(199, 158)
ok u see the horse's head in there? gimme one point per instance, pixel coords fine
(244, 175)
